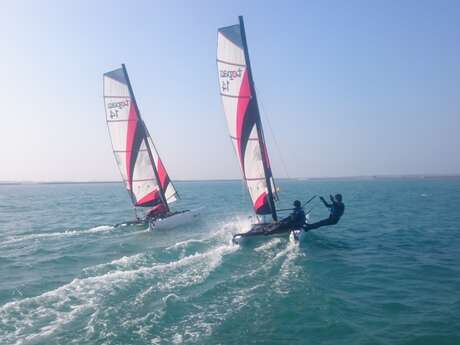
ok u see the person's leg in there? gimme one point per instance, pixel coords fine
(319, 224)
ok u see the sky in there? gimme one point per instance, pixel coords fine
(346, 88)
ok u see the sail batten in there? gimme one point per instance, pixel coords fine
(243, 119)
(140, 166)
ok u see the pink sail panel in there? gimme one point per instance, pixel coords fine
(242, 115)
(170, 193)
(133, 149)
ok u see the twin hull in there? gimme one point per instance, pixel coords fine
(257, 233)
(175, 220)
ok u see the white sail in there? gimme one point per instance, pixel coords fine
(138, 161)
(243, 119)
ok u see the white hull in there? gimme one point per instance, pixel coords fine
(176, 220)
(297, 235)
(254, 239)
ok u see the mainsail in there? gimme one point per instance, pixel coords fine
(243, 118)
(141, 168)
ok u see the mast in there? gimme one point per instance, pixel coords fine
(133, 98)
(258, 122)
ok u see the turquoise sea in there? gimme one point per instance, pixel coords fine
(388, 273)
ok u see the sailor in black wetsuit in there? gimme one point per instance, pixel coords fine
(295, 220)
(337, 209)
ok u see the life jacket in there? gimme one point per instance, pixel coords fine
(298, 216)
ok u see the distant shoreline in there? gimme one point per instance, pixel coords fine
(344, 178)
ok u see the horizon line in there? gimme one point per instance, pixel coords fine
(352, 177)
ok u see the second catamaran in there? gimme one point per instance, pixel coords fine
(243, 118)
(141, 168)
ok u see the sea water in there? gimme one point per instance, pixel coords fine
(388, 273)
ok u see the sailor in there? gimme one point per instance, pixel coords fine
(295, 220)
(157, 211)
(297, 217)
(337, 208)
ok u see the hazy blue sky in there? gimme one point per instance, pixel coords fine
(348, 87)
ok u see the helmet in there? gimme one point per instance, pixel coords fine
(297, 203)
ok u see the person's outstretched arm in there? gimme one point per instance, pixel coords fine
(333, 201)
(325, 203)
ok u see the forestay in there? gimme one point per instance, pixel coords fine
(243, 119)
(141, 168)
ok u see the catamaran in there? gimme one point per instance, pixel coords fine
(141, 168)
(239, 100)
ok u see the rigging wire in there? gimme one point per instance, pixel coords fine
(267, 116)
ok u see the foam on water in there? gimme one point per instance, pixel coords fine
(67, 233)
(40, 316)
(359, 282)
(270, 244)
(289, 269)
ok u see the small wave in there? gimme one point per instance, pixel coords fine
(95, 230)
(223, 231)
(288, 270)
(201, 321)
(268, 245)
(283, 260)
(171, 298)
(140, 297)
(37, 317)
(197, 274)
(182, 249)
(184, 244)
(121, 264)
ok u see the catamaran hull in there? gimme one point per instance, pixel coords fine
(297, 235)
(259, 232)
(175, 220)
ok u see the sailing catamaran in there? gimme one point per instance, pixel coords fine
(243, 118)
(141, 168)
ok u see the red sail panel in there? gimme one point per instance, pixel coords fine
(130, 138)
(166, 183)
